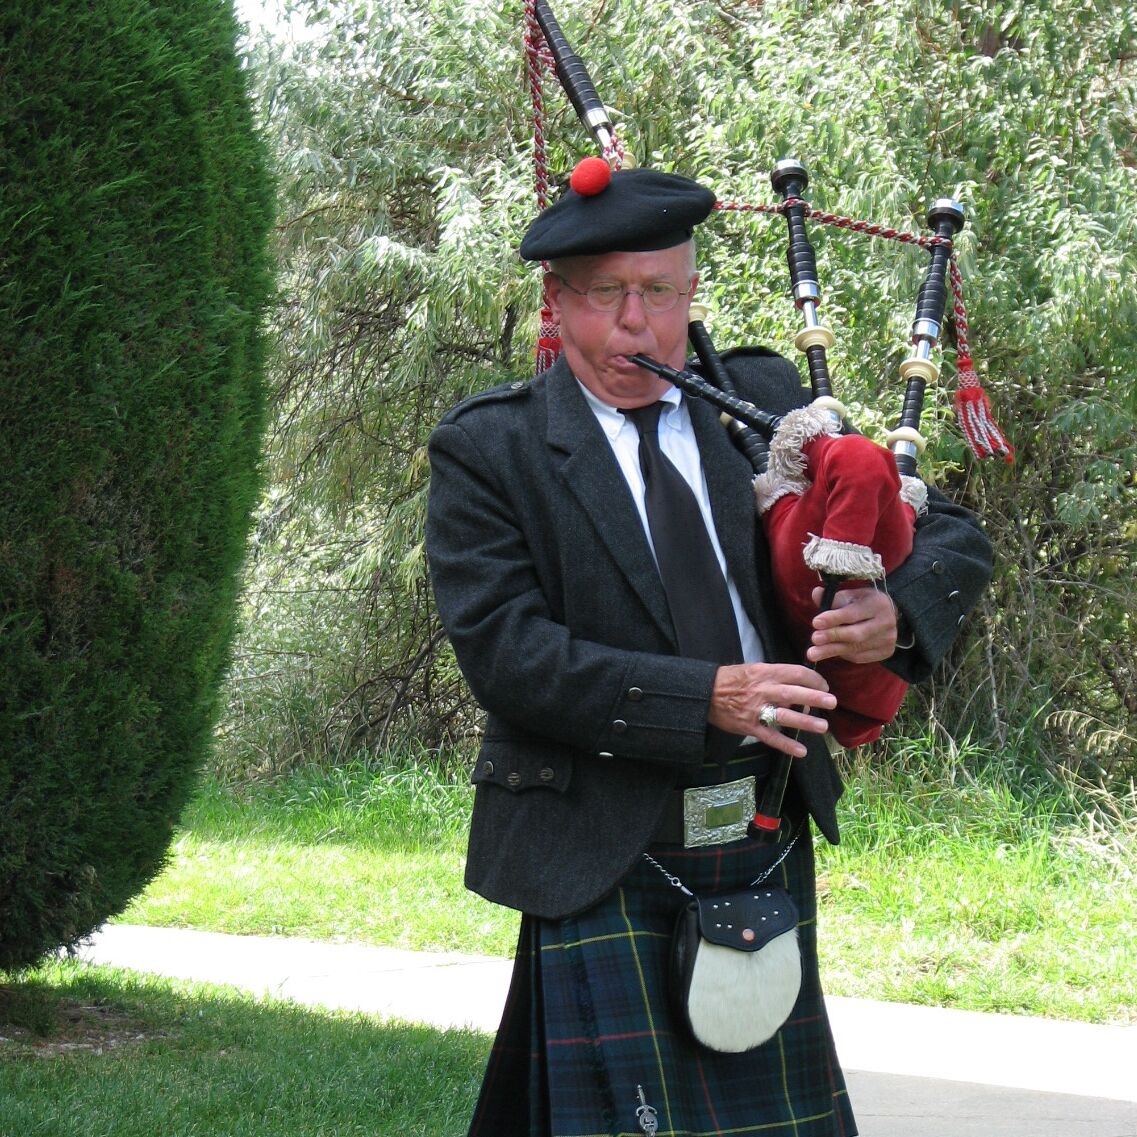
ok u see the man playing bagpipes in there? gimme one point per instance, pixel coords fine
(600, 567)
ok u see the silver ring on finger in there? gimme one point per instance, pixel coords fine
(768, 715)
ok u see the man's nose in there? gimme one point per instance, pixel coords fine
(632, 310)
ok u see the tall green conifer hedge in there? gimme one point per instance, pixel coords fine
(134, 213)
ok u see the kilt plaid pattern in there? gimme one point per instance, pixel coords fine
(588, 1022)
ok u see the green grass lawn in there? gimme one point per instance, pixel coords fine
(353, 854)
(955, 893)
(103, 1053)
(979, 889)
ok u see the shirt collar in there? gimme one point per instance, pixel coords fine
(612, 421)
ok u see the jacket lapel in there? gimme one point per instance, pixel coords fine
(584, 459)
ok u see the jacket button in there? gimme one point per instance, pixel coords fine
(547, 774)
(619, 726)
(938, 567)
(953, 595)
(959, 622)
(635, 694)
(516, 385)
(514, 779)
(605, 754)
(487, 768)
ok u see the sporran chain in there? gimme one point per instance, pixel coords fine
(675, 882)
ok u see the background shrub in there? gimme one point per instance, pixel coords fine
(403, 136)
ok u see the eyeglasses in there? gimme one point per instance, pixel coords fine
(658, 297)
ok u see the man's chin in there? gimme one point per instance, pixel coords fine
(631, 386)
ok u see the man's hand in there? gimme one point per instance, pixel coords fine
(860, 627)
(742, 690)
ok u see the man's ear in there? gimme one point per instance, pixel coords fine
(553, 286)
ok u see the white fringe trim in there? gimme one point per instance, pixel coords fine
(915, 493)
(842, 558)
(794, 431)
(785, 473)
(768, 488)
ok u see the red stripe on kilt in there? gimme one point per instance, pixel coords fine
(602, 1038)
(707, 1097)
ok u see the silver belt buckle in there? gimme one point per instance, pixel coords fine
(714, 815)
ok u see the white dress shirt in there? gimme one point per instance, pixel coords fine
(677, 441)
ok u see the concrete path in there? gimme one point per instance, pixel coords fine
(912, 1071)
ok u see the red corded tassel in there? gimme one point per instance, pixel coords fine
(973, 412)
(548, 348)
(548, 341)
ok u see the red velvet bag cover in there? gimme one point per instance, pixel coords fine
(833, 502)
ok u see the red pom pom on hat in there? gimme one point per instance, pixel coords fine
(591, 176)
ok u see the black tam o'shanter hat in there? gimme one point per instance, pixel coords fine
(631, 211)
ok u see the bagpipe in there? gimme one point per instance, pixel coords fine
(837, 508)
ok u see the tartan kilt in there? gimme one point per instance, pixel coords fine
(588, 1021)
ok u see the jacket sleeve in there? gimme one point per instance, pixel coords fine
(938, 585)
(522, 664)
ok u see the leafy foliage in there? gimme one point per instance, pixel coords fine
(133, 268)
(403, 133)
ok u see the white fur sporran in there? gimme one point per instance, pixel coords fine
(736, 967)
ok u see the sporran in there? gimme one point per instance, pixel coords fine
(736, 963)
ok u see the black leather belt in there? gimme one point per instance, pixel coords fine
(711, 815)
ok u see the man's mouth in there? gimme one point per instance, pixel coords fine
(624, 362)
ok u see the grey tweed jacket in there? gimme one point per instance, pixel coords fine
(548, 591)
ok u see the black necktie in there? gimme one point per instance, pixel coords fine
(697, 595)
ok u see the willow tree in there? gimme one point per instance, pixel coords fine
(405, 139)
(134, 212)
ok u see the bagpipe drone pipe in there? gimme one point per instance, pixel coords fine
(838, 509)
